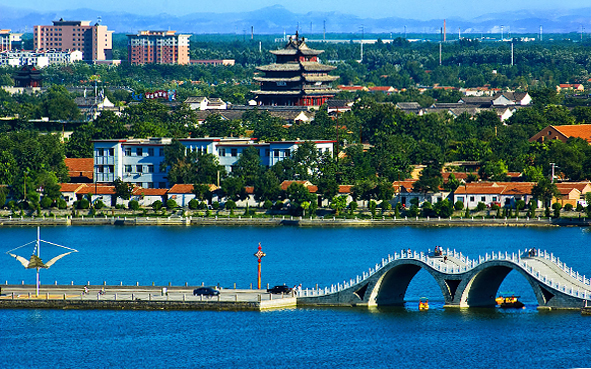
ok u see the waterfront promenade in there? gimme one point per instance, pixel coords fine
(327, 221)
(138, 298)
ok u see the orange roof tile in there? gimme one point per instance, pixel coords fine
(345, 188)
(285, 184)
(97, 190)
(80, 167)
(70, 187)
(580, 130)
(138, 191)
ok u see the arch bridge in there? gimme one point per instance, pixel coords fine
(464, 282)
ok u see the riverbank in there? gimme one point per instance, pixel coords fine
(294, 221)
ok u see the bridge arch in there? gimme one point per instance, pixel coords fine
(482, 285)
(391, 287)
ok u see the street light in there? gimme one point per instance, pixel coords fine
(259, 254)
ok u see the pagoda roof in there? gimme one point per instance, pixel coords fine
(286, 67)
(295, 46)
(316, 67)
(316, 78)
(287, 92)
(269, 79)
(327, 91)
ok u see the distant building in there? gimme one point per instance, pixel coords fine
(138, 161)
(28, 76)
(563, 133)
(17, 58)
(9, 41)
(214, 62)
(158, 47)
(297, 78)
(95, 42)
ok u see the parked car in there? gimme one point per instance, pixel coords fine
(205, 291)
(279, 289)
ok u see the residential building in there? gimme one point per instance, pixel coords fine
(296, 78)
(575, 87)
(158, 47)
(17, 58)
(138, 161)
(80, 170)
(214, 62)
(9, 41)
(95, 42)
(203, 103)
(563, 133)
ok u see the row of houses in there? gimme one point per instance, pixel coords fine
(504, 194)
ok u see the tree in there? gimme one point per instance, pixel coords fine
(123, 190)
(248, 165)
(452, 183)
(233, 188)
(338, 203)
(544, 191)
(430, 178)
(266, 187)
(297, 193)
(443, 208)
(202, 191)
(495, 170)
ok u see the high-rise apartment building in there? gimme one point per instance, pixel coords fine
(158, 47)
(10, 41)
(95, 41)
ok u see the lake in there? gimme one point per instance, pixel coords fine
(291, 338)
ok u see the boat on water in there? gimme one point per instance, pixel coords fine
(506, 301)
(423, 303)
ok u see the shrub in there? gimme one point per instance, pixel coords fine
(230, 204)
(580, 207)
(83, 204)
(459, 205)
(133, 205)
(99, 204)
(268, 204)
(481, 206)
(557, 206)
(215, 205)
(46, 202)
(372, 207)
(413, 211)
(61, 204)
(171, 204)
(568, 207)
(193, 204)
(157, 205)
(202, 205)
(278, 205)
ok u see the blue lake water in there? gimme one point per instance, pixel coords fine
(291, 338)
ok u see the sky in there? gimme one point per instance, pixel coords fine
(414, 9)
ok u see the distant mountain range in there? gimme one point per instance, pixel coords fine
(277, 20)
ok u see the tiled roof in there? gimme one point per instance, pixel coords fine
(580, 130)
(187, 188)
(80, 167)
(138, 191)
(285, 184)
(96, 190)
(70, 187)
(345, 188)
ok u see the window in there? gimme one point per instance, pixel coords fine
(111, 168)
(139, 184)
(161, 184)
(471, 198)
(111, 152)
(139, 151)
(128, 169)
(128, 151)
(276, 153)
(139, 168)
(461, 198)
(483, 198)
(234, 152)
(150, 184)
(494, 198)
(161, 152)
(150, 169)
(100, 169)
(150, 151)
(287, 153)
(100, 152)
(222, 152)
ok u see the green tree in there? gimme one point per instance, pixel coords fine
(123, 190)
(248, 165)
(338, 203)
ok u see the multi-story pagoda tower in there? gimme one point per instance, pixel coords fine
(296, 78)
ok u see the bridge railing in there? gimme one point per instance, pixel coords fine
(468, 264)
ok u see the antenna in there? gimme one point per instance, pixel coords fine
(324, 30)
(512, 54)
(540, 34)
(444, 32)
(405, 32)
(502, 32)
(99, 19)
(252, 32)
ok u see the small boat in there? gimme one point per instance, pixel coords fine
(423, 303)
(509, 302)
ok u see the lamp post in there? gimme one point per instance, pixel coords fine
(259, 254)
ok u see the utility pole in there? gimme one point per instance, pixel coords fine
(553, 166)
(512, 54)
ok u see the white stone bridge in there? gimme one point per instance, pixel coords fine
(464, 282)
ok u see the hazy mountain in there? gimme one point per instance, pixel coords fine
(276, 19)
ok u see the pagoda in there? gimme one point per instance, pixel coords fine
(28, 76)
(296, 78)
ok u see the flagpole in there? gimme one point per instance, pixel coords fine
(38, 246)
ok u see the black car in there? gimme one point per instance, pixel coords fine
(279, 289)
(205, 291)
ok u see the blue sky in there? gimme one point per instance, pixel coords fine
(415, 9)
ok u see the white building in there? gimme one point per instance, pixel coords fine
(139, 161)
(18, 58)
